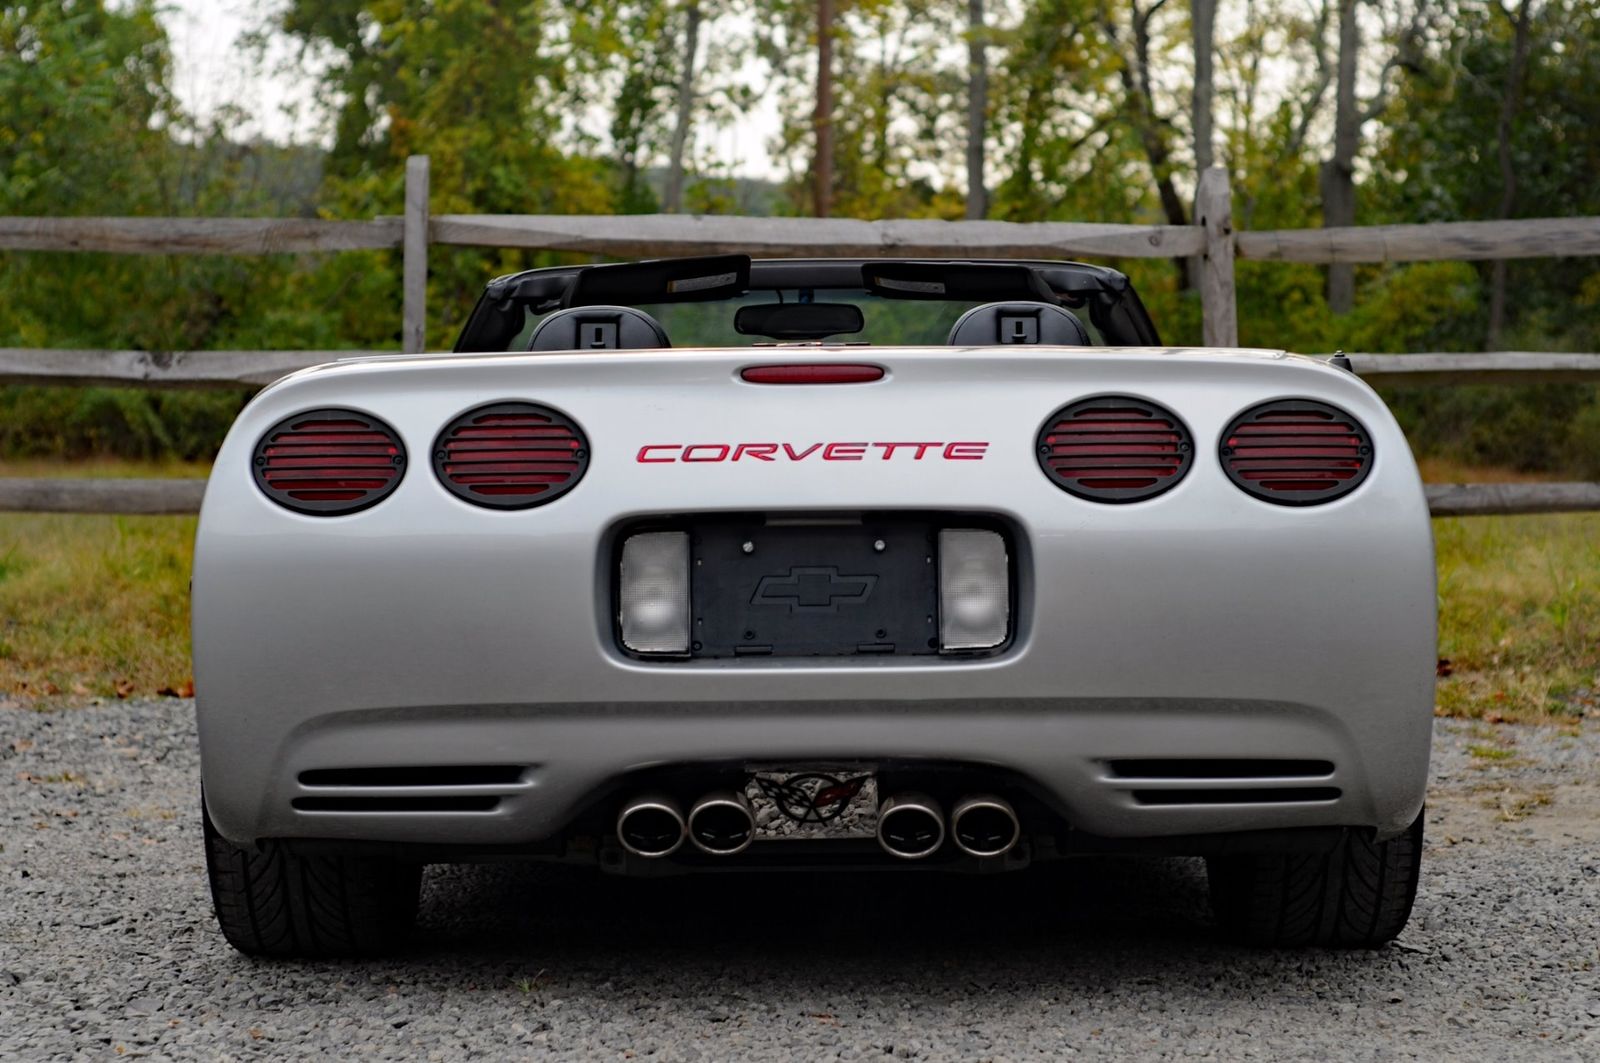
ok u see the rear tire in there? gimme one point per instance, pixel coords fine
(1356, 895)
(273, 902)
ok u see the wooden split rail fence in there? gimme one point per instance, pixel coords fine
(1212, 240)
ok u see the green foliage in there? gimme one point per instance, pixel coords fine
(1438, 159)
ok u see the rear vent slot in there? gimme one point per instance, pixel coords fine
(1220, 768)
(1296, 452)
(442, 775)
(1114, 449)
(328, 462)
(1273, 796)
(510, 455)
(440, 803)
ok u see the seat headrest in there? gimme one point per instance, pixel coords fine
(598, 328)
(1018, 322)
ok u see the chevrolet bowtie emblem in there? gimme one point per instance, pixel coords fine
(813, 588)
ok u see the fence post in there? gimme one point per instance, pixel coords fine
(414, 282)
(1213, 212)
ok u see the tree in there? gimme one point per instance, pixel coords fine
(1142, 111)
(1054, 98)
(1456, 131)
(1203, 19)
(485, 91)
(977, 109)
(83, 96)
(892, 101)
(1510, 104)
(1350, 115)
(822, 120)
(672, 201)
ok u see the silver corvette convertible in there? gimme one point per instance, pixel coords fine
(714, 564)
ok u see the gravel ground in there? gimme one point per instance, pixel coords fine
(107, 944)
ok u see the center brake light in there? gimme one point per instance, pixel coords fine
(822, 373)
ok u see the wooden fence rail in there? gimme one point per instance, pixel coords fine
(1212, 241)
(197, 236)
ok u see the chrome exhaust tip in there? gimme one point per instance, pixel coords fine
(985, 825)
(650, 826)
(722, 823)
(910, 826)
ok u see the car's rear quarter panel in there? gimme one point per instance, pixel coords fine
(426, 630)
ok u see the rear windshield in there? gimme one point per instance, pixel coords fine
(887, 322)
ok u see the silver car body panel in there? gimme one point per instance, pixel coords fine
(429, 631)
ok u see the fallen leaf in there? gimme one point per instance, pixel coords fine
(80, 688)
(186, 688)
(123, 688)
(48, 688)
(257, 1033)
(21, 745)
(1443, 668)
(1493, 717)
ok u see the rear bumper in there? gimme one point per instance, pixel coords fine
(572, 757)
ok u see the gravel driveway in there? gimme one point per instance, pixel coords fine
(107, 945)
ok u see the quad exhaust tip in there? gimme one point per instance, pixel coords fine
(651, 826)
(985, 825)
(722, 823)
(910, 826)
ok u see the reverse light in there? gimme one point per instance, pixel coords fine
(654, 612)
(974, 589)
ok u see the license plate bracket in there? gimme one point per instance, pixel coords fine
(867, 588)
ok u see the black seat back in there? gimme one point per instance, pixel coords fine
(1018, 322)
(598, 328)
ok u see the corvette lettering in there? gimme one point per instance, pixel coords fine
(695, 453)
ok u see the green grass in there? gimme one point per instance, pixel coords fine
(91, 604)
(1519, 616)
(94, 605)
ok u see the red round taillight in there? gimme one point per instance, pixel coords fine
(1296, 452)
(510, 455)
(329, 462)
(1114, 449)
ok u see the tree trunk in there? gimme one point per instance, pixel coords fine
(1136, 84)
(1339, 172)
(1203, 18)
(1510, 104)
(977, 110)
(822, 120)
(680, 132)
